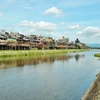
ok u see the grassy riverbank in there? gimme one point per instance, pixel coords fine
(97, 55)
(11, 53)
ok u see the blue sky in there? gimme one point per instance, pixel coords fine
(54, 18)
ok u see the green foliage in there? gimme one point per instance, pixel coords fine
(20, 53)
(97, 55)
(77, 46)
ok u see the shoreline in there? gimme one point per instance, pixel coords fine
(97, 55)
(16, 53)
(93, 92)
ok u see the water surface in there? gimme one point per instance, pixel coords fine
(52, 77)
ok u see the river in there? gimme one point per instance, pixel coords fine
(51, 77)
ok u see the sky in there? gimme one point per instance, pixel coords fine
(53, 18)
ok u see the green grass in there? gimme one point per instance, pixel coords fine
(97, 55)
(18, 53)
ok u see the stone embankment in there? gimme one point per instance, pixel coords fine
(93, 93)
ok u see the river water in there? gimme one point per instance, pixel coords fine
(52, 77)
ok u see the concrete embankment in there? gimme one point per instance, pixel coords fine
(93, 93)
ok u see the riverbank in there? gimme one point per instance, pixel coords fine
(93, 93)
(97, 55)
(11, 53)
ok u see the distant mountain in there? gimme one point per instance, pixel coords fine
(93, 45)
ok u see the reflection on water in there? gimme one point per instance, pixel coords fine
(49, 59)
(77, 56)
(52, 77)
(48, 77)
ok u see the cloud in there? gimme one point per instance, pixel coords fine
(73, 27)
(53, 10)
(1, 14)
(45, 26)
(48, 26)
(31, 31)
(63, 23)
(66, 33)
(26, 23)
(90, 32)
